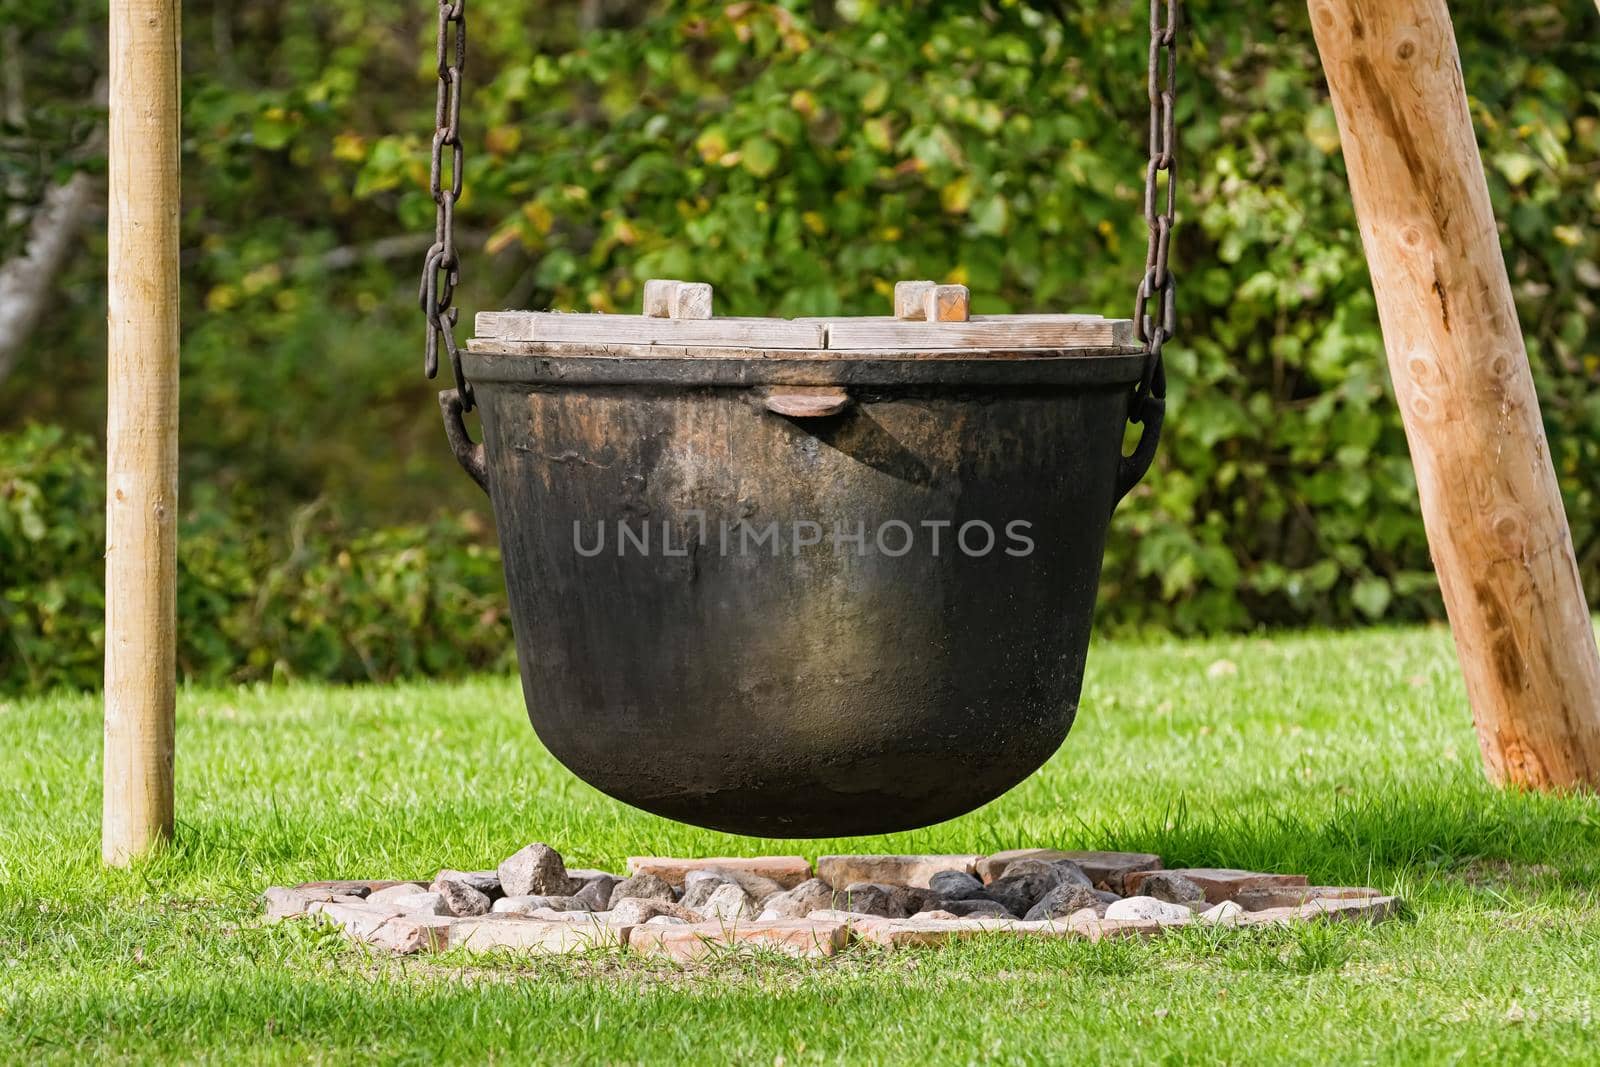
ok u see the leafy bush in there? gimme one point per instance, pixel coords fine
(255, 601)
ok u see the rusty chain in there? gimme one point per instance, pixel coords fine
(441, 273)
(1154, 328)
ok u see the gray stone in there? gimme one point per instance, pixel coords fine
(956, 885)
(978, 908)
(1020, 892)
(1148, 909)
(641, 887)
(460, 898)
(1294, 896)
(596, 892)
(1061, 902)
(421, 904)
(1225, 914)
(907, 900)
(729, 903)
(1106, 896)
(636, 911)
(699, 885)
(389, 894)
(527, 905)
(1171, 887)
(1058, 871)
(485, 882)
(868, 898)
(666, 920)
(759, 886)
(537, 870)
(811, 895)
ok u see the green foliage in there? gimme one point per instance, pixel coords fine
(802, 157)
(255, 601)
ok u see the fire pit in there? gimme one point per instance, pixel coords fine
(687, 909)
(802, 578)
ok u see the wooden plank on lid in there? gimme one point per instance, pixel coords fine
(638, 330)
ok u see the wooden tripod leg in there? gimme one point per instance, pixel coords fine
(1489, 494)
(141, 429)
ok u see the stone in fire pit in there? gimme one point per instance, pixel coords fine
(688, 909)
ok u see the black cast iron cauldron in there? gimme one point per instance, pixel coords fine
(908, 645)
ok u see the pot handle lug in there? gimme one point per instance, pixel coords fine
(1132, 469)
(807, 401)
(469, 453)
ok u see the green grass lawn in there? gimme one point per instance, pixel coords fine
(1349, 758)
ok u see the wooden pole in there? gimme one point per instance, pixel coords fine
(141, 428)
(1490, 500)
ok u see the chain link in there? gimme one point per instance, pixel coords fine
(1155, 318)
(441, 273)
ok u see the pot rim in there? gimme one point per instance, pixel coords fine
(560, 363)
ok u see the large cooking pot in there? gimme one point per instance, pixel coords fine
(801, 595)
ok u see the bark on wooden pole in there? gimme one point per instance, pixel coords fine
(1490, 500)
(141, 428)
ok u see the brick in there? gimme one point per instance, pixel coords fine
(840, 871)
(793, 937)
(907, 933)
(1102, 929)
(852, 918)
(535, 935)
(353, 887)
(1293, 896)
(394, 891)
(1221, 883)
(284, 903)
(787, 871)
(358, 920)
(1364, 909)
(413, 933)
(389, 928)
(1354, 909)
(1103, 868)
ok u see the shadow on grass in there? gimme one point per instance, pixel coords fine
(1409, 831)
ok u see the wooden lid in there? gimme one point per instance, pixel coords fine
(1056, 334)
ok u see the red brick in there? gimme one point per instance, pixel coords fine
(842, 871)
(787, 871)
(389, 928)
(1294, 896)
(1220, 883)
(905, 933)
(794, 937)
(535, 935)
(1365, 909)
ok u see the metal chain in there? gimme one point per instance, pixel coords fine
(441, 273)
(1155, 327)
